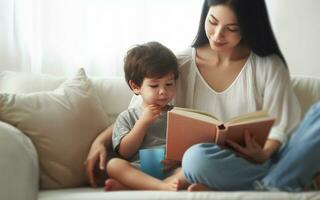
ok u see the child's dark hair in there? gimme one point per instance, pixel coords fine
(254, 25)
(152, 60)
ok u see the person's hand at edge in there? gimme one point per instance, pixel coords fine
(95, 163)
(97, 155)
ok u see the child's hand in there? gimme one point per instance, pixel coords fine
(150, 113)
(96, 157)
(170, 165)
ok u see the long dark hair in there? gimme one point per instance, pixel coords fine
(253, 20)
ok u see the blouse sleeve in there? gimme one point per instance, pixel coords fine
(279, 98)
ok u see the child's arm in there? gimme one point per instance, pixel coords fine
(133, 140)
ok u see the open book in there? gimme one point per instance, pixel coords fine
(187, 127)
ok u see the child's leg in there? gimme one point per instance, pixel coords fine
(132, 178)
(184, 184)
(114, 185)
(179, 178)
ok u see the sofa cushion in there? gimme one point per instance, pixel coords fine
(114, 94)
(62, 124)
(107, 88)
(18, 165)
(24, 82)
(307, 90)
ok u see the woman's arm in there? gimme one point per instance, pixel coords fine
(99, 147)
(274, 84)
(279, 98)
(98, 153)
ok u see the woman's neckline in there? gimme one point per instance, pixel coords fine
(232, 83)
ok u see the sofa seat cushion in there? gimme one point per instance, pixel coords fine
(62, 125)
(99, 194)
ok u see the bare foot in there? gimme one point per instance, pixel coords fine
(171, 184)
(113, 185)
(198, 187)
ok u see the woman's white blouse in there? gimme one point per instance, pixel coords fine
(263, 84)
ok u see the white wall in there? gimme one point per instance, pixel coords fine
(296, 24)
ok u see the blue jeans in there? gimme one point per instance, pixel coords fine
(293, 169)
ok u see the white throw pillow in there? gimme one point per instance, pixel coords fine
(62, 125)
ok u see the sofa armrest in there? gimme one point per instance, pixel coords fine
(19, 166)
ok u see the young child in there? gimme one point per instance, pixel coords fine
(151, 71)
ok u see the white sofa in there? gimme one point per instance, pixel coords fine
(19, 162)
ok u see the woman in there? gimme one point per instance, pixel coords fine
(233, 67)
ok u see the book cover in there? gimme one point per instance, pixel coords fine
(187, 127)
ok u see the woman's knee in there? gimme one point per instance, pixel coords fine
(198, 154)
(193, 155)
(202, 160)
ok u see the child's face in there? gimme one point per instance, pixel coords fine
(158, 91)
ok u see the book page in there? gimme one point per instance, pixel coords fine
(248, 118)
(196, 114)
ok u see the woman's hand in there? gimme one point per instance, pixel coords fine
(170, 165)
(252, 151)
(96, 160)
(97, 155)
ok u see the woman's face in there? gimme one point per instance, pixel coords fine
(222, 28)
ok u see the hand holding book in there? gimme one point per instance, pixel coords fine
(251, 151)
(187, 127)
